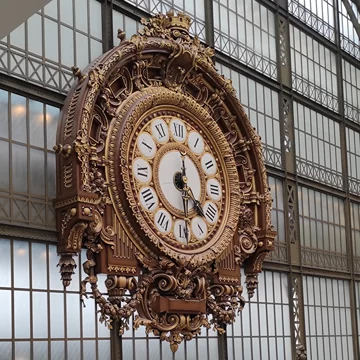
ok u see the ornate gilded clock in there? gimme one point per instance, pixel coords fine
(163, 182)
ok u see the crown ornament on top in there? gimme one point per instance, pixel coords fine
(167, 25)
(173, 27)
(181, 21)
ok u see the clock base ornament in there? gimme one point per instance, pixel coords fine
(161, 179)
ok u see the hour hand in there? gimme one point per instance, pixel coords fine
(197, 204)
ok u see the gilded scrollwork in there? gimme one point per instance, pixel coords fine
(160, 70)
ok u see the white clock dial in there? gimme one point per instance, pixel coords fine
(142, 170)
(179, 231)
(196, 142)
(199, 228)
(148, 198)
(208, 164)
(163, 221)
(213, 189)
(169, 165)
(211, 212)
(146, 145)
(160, 131)
(178, 130)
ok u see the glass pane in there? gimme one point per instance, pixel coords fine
(89, 350)
(22, 314)
(67, 46)
(105, 350)
(5, 315)
(6, 349)
(40, 349)
(51, 40)
(4, 103)
(39, 265)
(19, 168)
(4, 164)
(36, 123)
(22, 350)
(73, 348)
(73, 315)
(37, 176)
(35, 34)
(57, 315)
(52, 117)
(51, 176)
(5, 264)
(40, 314)
(18, 118)
(95, 19)
(55, 283)
(66, 12)
(89, 318)
(81, 12)
(21, 264)
(82, 56)
(57, 350)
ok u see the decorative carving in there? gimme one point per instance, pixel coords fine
(161, 72)
(68, 175)
(67, 266)
(301, 352)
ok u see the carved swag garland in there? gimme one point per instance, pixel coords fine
(173, 295)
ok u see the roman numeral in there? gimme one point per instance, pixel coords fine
(200, 229)
(160, 130)
(148, 197)
(210, 212)
(196, 142)
(179, 130)
(163, 221)
(209, 164)
(214, 189)
(142, 171)
(182, 231)
(148, 146)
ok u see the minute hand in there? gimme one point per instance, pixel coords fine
(196, 203)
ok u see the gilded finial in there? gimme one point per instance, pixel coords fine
(121, 35)
(77, 73)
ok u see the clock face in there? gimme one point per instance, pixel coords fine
(178, 181)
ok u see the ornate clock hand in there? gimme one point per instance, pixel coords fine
(185, 195)
(196, 203)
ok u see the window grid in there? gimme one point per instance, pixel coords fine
(43, 321)
(322, 230)
(194, 8)
(327, 318)
(355, 234)
(353, 156)
(351, 86)
(137, 345)
(261, 105)
(27, 186)
(249, 337)
(357, 299)
(43, 49)
(318, 149)
(349, 39)
(245, 30)
(313, 69)
(318, 15)
(278, 220)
